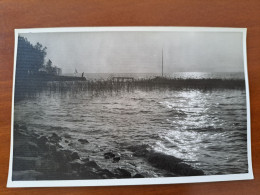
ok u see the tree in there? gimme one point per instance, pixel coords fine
(29, 58)
(49, 67)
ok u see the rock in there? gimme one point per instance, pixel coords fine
(116, 159)
(26, 149)
(24, 163)
(106, 174)
(32, 146)
(70, 144)
(75, 156)
(66, 141)
(122, 173)
(85, 160)
(55, 138)
(52, 148)
(18, 134)
(140, 150)
(172, 164)
(60, 156)
(66, 135)
(83, 141)
(42, 140)
(63, 168)
(26, 175)
(109, 155)
(67, 155)
(23, 127)
(170, 175)
(59, 146)
(16, 126)
(76, 164)
(90, 171)
(86, 174)
(42, 143)
(138, 176)
(90, 166)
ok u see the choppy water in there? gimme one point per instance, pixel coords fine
(206, 129)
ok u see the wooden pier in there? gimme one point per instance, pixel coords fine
(122, 79)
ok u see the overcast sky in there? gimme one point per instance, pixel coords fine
(141, 52)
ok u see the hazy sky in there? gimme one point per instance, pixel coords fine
(141, 52)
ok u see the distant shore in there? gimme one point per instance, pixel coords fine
(31, 85)
(148, 84)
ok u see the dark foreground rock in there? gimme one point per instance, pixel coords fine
(42, 158)
(55, 138)
(122, 173)
(108, 155)
(138, 176)
(162, 161)
(172, 164)
(116, 159)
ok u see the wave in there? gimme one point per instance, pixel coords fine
(176, 112)
(209, 128)
(74, 120)
(145, 111)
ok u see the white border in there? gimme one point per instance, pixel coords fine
(136, 181)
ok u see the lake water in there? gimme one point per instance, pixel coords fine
(206, 129)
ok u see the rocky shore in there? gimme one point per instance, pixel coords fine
(38, 157)
(174, 166)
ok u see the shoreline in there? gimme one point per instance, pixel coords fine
(29, 86)
(38, 157)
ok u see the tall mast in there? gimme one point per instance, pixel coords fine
(162, 62)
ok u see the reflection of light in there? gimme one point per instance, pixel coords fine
(192, 75)
(188, 114)
(185, 145)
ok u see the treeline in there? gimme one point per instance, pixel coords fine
(31, 60)
(32, 70)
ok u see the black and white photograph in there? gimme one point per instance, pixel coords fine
(129, 106)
